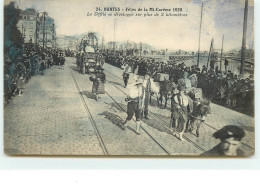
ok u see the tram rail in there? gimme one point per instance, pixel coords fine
(164, 122)
(103, 146)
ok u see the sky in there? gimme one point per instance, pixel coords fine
(220, 17)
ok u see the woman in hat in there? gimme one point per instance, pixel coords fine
(99, 82)
(185, 81)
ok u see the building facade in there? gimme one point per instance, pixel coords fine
(47, 33)
(37, 27)
(28, 25)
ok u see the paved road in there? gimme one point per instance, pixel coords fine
(220, 117)
(50, 119)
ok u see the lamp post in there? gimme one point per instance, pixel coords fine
(242, 69)
(43, 37)
(199, 36)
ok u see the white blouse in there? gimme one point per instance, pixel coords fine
(184, 100)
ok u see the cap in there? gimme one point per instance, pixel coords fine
(230, 131)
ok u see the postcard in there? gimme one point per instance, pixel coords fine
(117, 78)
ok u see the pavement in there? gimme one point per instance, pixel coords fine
(50, 118)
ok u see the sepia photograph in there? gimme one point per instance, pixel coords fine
(121, 78)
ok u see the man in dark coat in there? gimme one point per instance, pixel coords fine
(226, 65)
(230, 137)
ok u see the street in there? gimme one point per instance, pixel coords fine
(58, 115)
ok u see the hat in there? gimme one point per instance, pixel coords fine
(205, 102)
(230, 131)
(181, 88)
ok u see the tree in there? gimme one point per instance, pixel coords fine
(12, 36)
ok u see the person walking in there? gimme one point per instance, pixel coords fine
(20, 84)
(134, 105)
(183, 106)
(126, 74)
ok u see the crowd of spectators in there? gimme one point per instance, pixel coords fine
(20, 64)
(225, 88)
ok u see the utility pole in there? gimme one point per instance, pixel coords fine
(102, 43)
(22, 30)
(199, 35)
(46, 39)
(36, 28)
(221, 54)
(242, 68)
(43, 38)
(114, 44)
(140, 49)
(210, 51)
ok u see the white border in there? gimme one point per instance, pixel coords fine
(40, 163)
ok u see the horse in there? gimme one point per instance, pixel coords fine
(162, 90)
(155, 88)
(197, 117)
(166, 88)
